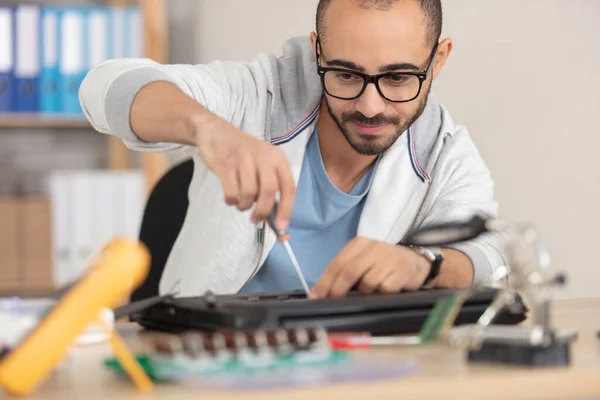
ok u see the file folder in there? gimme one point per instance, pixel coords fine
(6, 58)
(135, 33)
(99, 35)
(119, 25)
(27, 63)
(62, 217)
(72, 62)
(49, 96)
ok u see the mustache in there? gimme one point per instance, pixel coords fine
(374, 121)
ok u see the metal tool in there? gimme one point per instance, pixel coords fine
(283, 237)
(528, 274)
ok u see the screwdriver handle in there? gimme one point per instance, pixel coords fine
(282, 235)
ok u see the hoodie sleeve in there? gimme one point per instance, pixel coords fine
(230, 90)
(463, 188)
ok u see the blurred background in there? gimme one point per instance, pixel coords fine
(522, 78)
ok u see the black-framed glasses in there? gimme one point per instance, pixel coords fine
(397, 87)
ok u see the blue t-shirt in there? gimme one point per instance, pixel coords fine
(324, 220)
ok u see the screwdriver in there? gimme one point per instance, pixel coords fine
(360, 340)
(283, 237)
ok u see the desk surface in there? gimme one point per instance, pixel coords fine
(442, 373)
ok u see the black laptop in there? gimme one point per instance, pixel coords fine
(378, 314)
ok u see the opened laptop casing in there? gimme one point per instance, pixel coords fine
(377, 314)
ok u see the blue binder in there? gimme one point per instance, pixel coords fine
(49, 94)
(6, 58)
(72, 61)
(27, 64)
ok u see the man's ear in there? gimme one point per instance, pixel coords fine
(443, 52)
(313, 41)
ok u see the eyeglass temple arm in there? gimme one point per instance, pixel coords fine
(433, 60)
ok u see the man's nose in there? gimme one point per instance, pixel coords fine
(370, 103)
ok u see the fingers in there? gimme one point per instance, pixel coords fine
(372, 280)
(385, 279)
(248, 184)
(287, 189)
(254, 177)
(348, 278)
(251, 171)
(230, 183)
(371, 267)
(344, 271)
(268, 185)
(392, 283)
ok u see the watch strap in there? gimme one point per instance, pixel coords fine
(435, 260)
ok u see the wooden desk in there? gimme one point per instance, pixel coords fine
(442, 374)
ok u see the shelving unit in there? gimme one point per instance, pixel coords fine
(37, 121)
(119, 157)
(156, 39)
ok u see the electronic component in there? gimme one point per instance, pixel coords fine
(258, 359)
(377, 314)
(528, 275)
(170, 356)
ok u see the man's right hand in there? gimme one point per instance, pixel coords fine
(251, 171)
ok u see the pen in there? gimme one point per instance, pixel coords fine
(283, 237)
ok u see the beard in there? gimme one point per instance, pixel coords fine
(374, 145)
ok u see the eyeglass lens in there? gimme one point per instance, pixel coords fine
(395, 87)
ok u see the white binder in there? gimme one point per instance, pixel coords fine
(135, 33)
(119, 29)
(6, 58)
(27, 26)
(99, 35)
(6, 40)
(61, 200)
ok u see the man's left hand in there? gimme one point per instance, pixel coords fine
(372, 266)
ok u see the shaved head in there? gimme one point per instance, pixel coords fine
(432, 10)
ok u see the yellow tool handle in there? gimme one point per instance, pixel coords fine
(122, 266)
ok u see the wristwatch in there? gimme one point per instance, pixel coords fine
(435, 258)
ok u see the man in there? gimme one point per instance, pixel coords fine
(340, 128)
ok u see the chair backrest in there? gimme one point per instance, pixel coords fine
(163, 218)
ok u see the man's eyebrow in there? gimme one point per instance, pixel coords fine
(399, 66)
(386, 68)
(345, 64)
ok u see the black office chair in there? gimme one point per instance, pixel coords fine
(162, 220)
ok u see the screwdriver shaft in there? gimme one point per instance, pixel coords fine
(283, 237)
(288, 248)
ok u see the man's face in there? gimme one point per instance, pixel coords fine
(373, 41)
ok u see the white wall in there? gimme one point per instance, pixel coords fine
(238, 29)
(524, 78)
